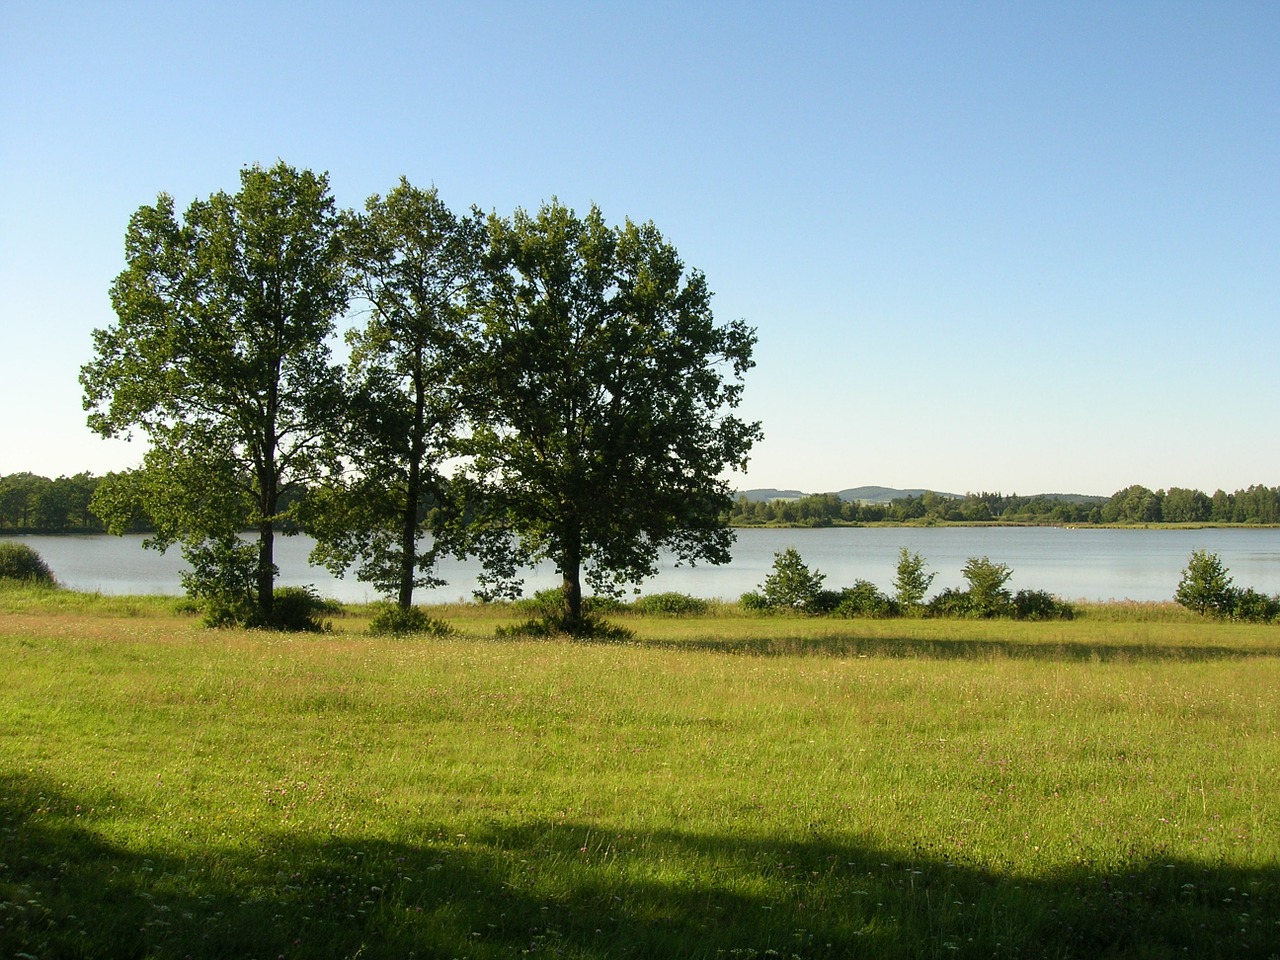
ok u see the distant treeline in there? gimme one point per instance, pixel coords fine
(1136, 504)
(34, 504)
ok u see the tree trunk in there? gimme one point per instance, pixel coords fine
(266, 570)
(571, 569)
(409, 536)
(413, 491)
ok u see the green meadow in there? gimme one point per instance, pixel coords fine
(723, 786)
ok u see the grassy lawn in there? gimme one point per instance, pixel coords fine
(725, 786)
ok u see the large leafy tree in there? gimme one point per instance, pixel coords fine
(220, 358)
(415, 264)
(602, 393)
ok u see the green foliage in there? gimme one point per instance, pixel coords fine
(223, 580)
(602, 394)
(416, 266)
(791, 585)
(988, 596)
(754, 601)
(298, 610)
(1205, 586)
(911, 583)
(1253, 607)
(551, 617)
(21, 563)
(35, 504)
(550, 603)
(394, 620)
(220, 358)
(586, 626)
(1039, 605)
(669, 604)
(951, 603)
(864, 599)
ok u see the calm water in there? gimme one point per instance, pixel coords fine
(1074, 564)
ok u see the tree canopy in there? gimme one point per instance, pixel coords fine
(601, 391)
(415, 264)
(221, 358)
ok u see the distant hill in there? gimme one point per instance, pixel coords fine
(886, 494)
(873, 494)
(765, 494)
(865, 494)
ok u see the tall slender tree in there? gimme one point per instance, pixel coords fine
(221, 358)
(416, 265)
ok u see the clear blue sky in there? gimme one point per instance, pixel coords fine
(1027, 247)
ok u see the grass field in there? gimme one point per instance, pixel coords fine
(725, 786)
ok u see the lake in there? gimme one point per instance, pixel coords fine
(1075, 564)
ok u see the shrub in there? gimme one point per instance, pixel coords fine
(753, 601)
(1039, 605)
(297, 610)
(1254, 607)
(589, 627)
(603, 603)
(20, 562)
(864, 599)
(1205, 586)
(550, 603)
(911, 584)
(544, 603)
(988, 596)
(824, 602)
(792, 585)
(951, 603)
(670, 604)
(393, 620)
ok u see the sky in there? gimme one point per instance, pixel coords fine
(1021, 247)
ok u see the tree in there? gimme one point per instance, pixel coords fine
(1205, 586)
(220, 358)
(601, 389)
(791, 584)
(911, 583)
(415, 263)
(988, 596)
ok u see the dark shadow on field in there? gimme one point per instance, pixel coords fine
(564, 889)
(907, 647)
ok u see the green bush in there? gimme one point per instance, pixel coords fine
(298, 610)
(753, 601)
(951, 603)
(1205, 586)
(1039, 605)
(792, 585)
(1254, 607)
(550, 603)
(864, 599)
(19, 562)
(670, 604)
(602, 603)
(988, 596)
(589, 627)
(393, 620)
(911, 583)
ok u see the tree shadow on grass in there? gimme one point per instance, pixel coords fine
(908, 647)
(566, 889)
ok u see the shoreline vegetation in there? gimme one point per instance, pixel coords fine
(34, 504)
(723, 784)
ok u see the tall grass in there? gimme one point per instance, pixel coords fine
(720, 787)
